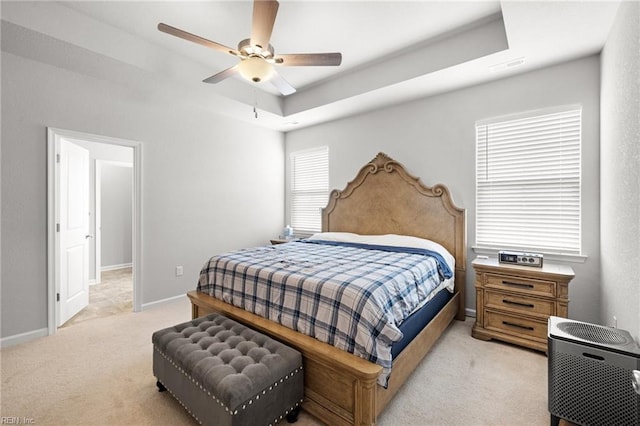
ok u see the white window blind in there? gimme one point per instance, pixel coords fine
(309, 189)
(528, 182)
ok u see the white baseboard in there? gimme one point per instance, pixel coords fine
(23, 337)
(157, 303)
(470, 312)
(114, 267)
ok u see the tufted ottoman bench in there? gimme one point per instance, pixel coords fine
(225, 373)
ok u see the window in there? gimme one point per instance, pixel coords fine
(528, 182)
(309, 189)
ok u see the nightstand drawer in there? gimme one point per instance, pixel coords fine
(521, 285)
(516, 303)
(515, 325)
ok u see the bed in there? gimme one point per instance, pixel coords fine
(340, 387)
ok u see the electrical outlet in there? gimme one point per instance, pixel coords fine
(179, 271)
(615, 322)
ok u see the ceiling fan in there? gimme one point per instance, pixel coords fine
(257, 56)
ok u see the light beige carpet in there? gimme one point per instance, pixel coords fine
(99, 372)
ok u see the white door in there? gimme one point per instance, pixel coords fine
(73, 219)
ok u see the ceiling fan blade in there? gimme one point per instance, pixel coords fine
(264, 16)
(309, 59)
(281, 84)
(216, 78)
(195, 39)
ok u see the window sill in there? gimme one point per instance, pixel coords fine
(554, 257)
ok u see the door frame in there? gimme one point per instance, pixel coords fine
(54, 134)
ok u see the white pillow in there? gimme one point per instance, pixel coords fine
(346, 237)
(393, 240)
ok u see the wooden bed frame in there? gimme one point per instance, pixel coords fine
(341, 388)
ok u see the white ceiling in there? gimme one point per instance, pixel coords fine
(393, 51)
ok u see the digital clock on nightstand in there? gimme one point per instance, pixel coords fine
(518, 258)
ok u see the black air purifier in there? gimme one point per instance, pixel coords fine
(594, 376)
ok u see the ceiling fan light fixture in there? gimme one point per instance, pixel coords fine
(256, 54)
(255, 69)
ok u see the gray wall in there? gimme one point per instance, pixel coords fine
(209, 184)
(435, 139)
(620, 176)
(116, 213)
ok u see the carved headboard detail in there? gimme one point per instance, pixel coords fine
(384, 198)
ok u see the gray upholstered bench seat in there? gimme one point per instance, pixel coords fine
(225, 373)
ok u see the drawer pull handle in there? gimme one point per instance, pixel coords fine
(511, 302)
(517, 284)
(517, 325)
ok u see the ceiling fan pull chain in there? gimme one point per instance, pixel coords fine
(255, 103)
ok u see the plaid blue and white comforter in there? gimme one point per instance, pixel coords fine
(350, 296)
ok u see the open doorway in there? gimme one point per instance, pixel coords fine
(110, 225)
(96, 274)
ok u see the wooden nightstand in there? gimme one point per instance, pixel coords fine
(282, 240)
(513, 303)
(279, 241)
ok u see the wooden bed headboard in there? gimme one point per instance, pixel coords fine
(386, 199)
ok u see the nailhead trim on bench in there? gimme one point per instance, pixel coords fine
(244, 406)
(275, 421)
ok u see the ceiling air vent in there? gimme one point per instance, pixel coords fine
(507, 64)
